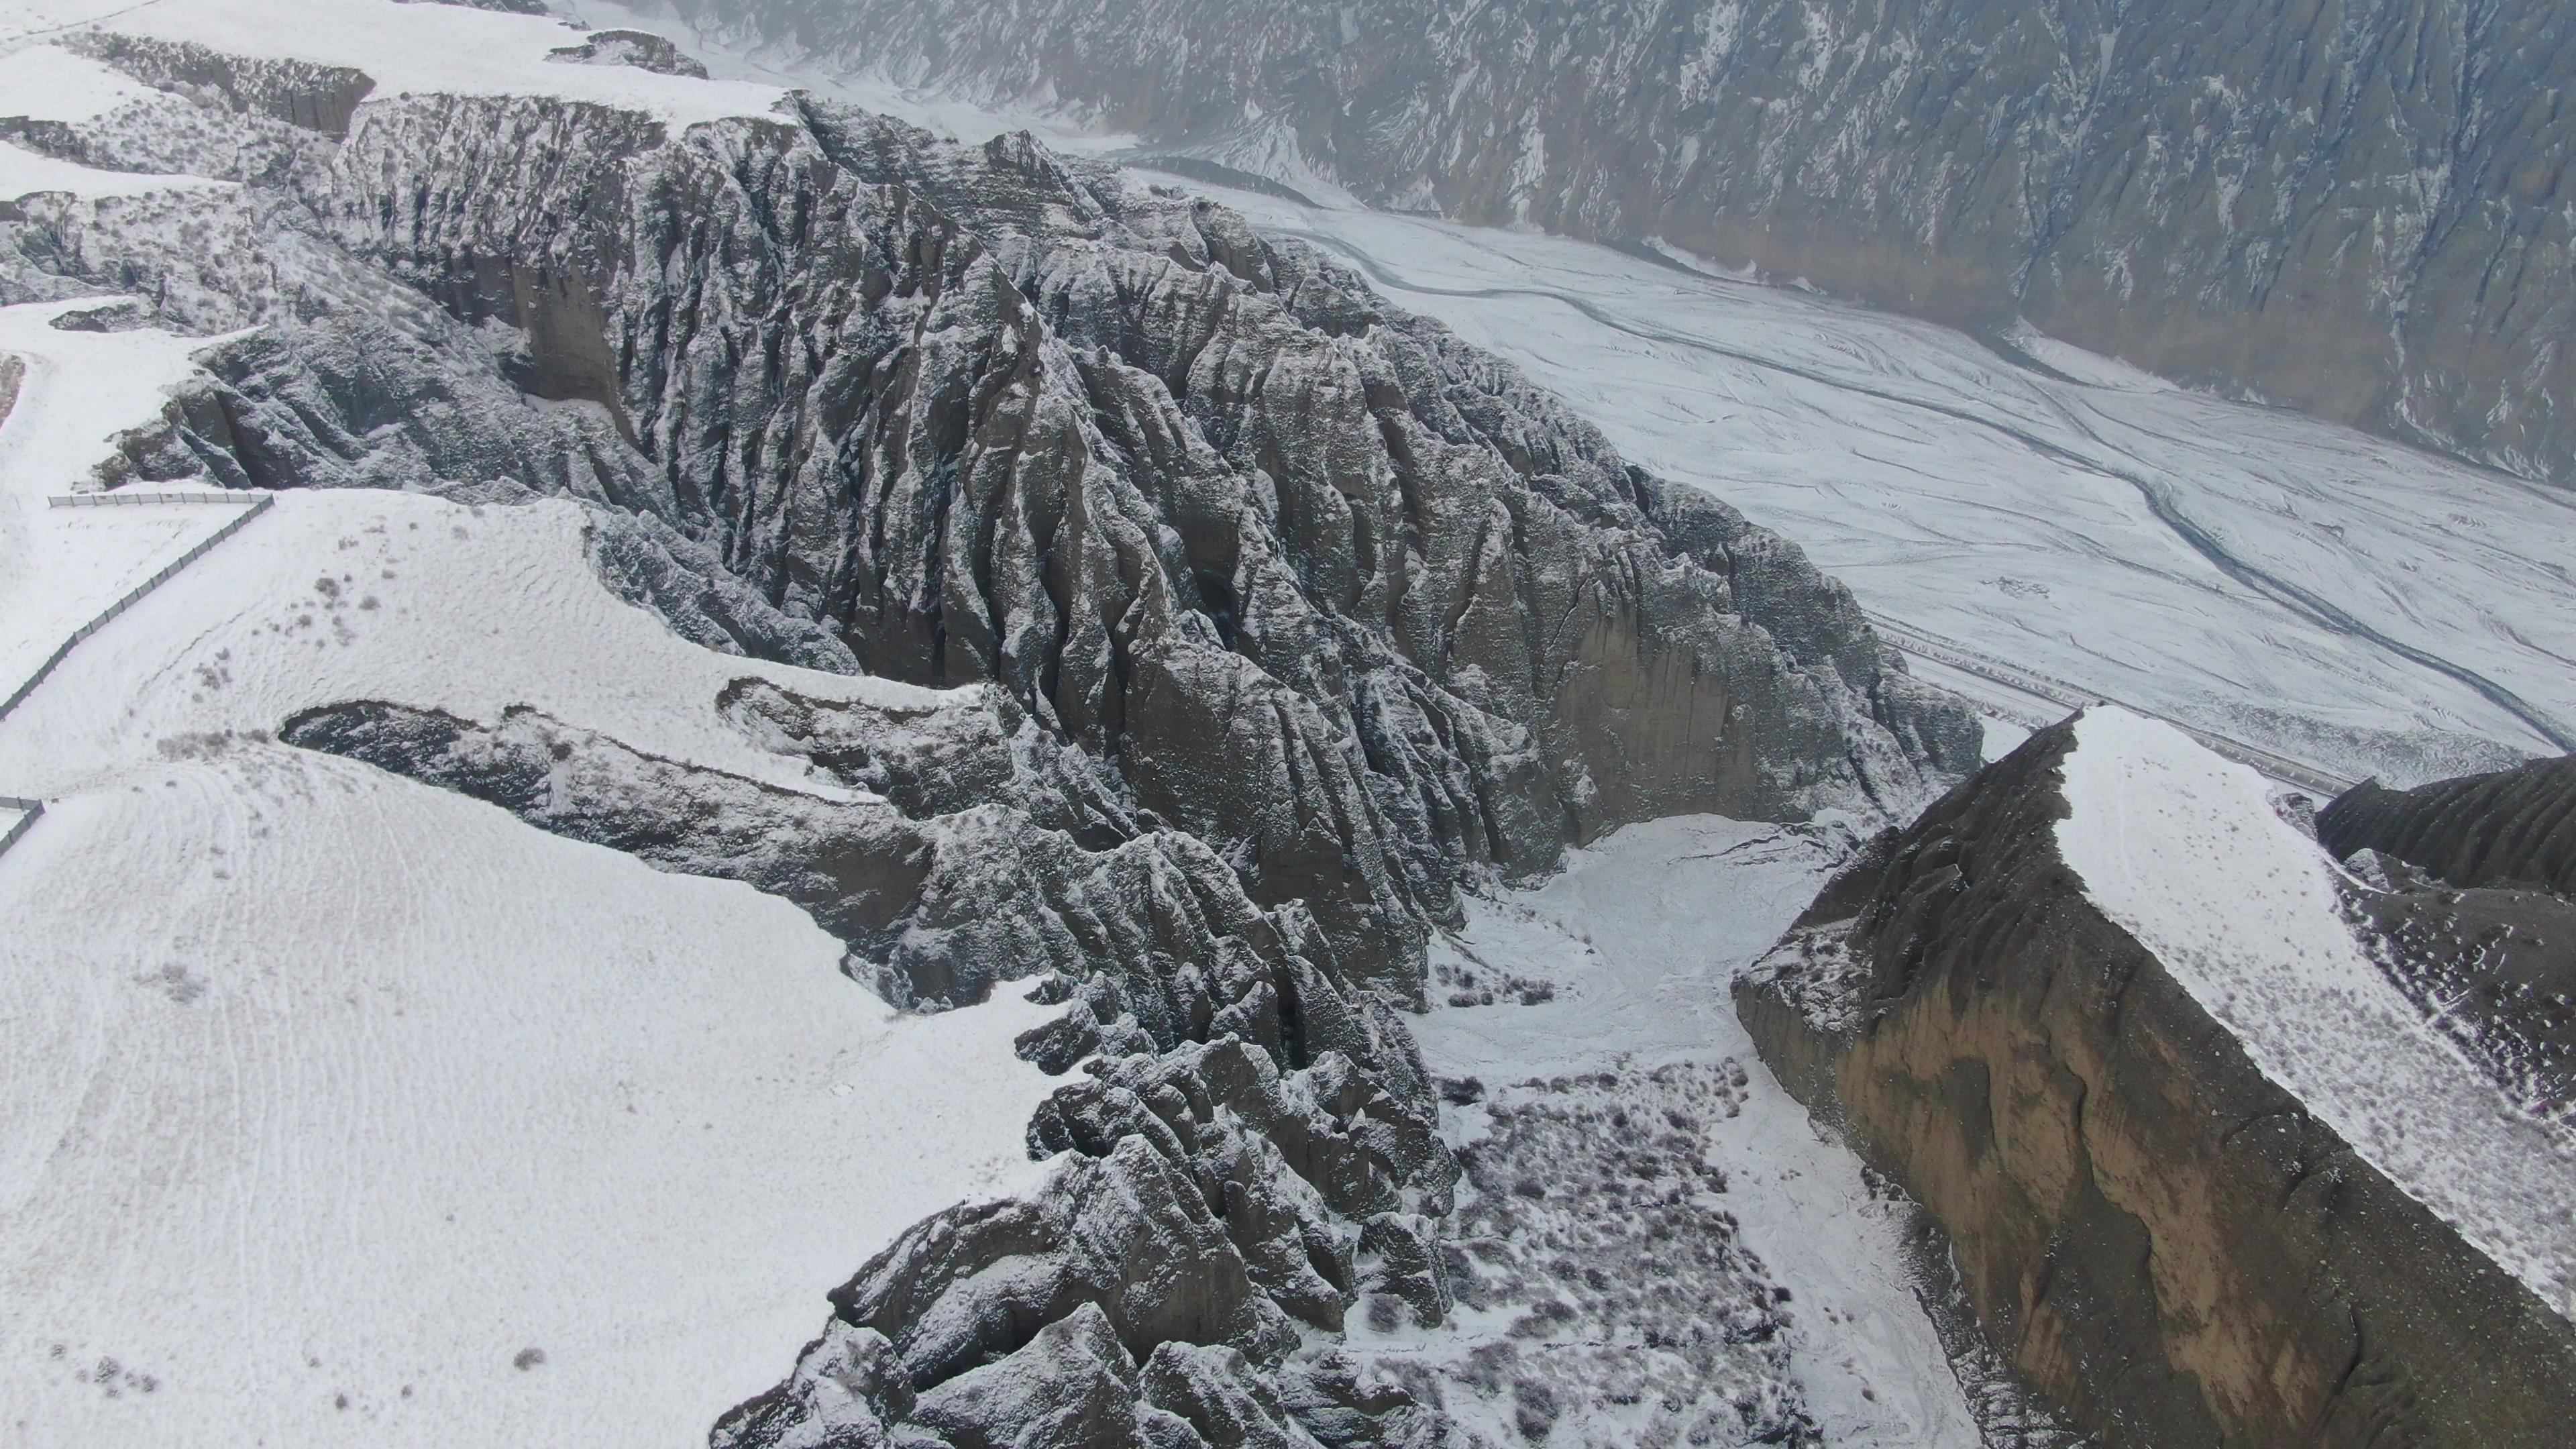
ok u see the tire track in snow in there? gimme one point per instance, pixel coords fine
(2158, 497)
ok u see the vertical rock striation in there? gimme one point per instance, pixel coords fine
(2359, 209)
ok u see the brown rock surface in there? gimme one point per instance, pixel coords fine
(2150, 1230)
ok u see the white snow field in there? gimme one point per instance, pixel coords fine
(76, 390)
(327, 1084)
(1640, 939)
(49, 83)
(2184, 851)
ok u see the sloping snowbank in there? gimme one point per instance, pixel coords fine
(2183, 850)
(361, 594)
(24, 173)
(342, 1110)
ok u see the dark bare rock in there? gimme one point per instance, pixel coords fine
(2150, 1231)
(640, 49)
(2509, 828)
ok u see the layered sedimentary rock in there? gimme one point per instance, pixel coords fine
(2150, 1228)
(1273, 618)
(2359, 209)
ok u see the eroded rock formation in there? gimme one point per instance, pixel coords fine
(2359, 209)
(2150, 1229)
(1271, 619)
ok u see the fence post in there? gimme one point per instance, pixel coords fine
(259, 505)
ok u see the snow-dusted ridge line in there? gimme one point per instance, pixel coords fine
(2184, 851)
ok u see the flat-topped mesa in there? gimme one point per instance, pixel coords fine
(2207, 1177)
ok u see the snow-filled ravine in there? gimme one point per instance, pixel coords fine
(2185, 852)
(1609, 988)
(2337, 598)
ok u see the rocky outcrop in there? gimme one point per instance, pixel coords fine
(2509, 828)
(1343, 597)
(2473, 909)
(640, 49)
(299, 93)
(2356, 209)
(1250, 1149)
(2150, 1229)
(1269, 619)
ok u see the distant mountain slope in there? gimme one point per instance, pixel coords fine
(2358, 209)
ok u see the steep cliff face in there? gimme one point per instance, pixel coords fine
(2358, 209)
(1273, 618)
(2151, 1226)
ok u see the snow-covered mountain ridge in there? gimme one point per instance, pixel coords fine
(2213, 1167)
(2356, 209)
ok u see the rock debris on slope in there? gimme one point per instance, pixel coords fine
(2468, 890)
(1287, 616)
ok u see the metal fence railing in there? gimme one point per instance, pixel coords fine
(127, 498)
(35, 810)
(28, 687)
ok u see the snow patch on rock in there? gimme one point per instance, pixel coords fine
(2183, 850)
